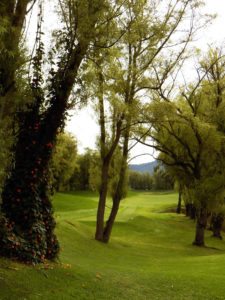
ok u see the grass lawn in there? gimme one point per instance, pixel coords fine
(150, 256)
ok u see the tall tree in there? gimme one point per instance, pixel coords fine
(151, 31)
(191, 143)
(25, 202)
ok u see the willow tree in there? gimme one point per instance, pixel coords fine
(187, 134)
(111, 116)
(214, 90)
(145, 65)
(27, 224)
(100, 76)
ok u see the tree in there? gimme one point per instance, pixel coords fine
(108, 146)
(191, 143)
(144, 70)
(25, 202)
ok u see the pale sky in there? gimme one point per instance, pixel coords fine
(83, 123)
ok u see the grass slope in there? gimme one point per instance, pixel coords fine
(150, 256)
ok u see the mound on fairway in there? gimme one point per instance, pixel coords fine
(150, 256)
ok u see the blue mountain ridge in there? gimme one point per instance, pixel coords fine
(145, 167)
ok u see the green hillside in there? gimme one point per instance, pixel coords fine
(150, 256)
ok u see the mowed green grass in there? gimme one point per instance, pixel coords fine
(150, 255)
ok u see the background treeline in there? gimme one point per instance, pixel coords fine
(71, 171)
(160, 179)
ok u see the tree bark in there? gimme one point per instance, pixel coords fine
(102, 202)
(110, 221)
(188, 209)
(25, 201)
(192, 212)
(106, 161)
(179, 201)
(217, 223)
(118, 194)
(200, 228)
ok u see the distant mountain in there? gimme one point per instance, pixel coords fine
(143, 168)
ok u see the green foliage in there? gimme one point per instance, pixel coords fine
(162, 179)
(64, 162)
(140, 181)
(188, 133)
(191, 147)
(95, 175)
(85, 176)
(113, 175)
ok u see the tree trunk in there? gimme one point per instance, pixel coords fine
(179, 201)
(110, 221)
(188, 209)
(217, 223)
(102, 201)
(200, 228)
(25, 203)
(192, 212)
(119, 191)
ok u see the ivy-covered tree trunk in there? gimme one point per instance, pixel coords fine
(200, 227)
(27, 226)
(25, 202)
